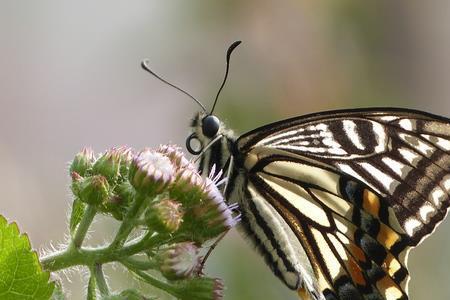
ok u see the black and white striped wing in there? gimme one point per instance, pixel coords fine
(401, 154)
(355, 188)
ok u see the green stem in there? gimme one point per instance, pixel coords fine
(154, 281)
(92, 287)
(80, 234)
(101, 281)
(73, 256)
(139, 264)
(147, 242)
(128, 222)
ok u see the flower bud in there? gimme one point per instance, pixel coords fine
(165, 216)
(176, 156)
(126, 157)
(210, 216)
(200, 288)
(93, 190)
(108, 165)
(125, 191)
(188, 187)
(82, 162)
(215, 210)
(150, 172)
(180, 261)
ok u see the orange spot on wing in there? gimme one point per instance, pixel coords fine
(391, 265)
(357, 252)
(371, 202)
(355, 272)
(389, 288)
(387, 237)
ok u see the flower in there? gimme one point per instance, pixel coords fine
(151, 171)
(206, 213)
(218, 212)
(165, 216)
(188, 187)
(82, 162)
(180, 261)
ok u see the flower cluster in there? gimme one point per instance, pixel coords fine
(160, 193)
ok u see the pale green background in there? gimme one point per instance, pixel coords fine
(70, 77)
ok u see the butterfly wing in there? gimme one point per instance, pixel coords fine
(355, 188)
(401, 154)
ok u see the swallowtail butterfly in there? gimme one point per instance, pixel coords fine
(335, 200)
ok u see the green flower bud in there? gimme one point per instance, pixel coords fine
(188, 187)
(217, 214)
(108, 165)
(165, 216)
(208, 215)
(119, 200)
(126, 157)
(200, 288)
(151, 172)
(82, 162)
(180, 261)
(93, 190)
(125, 191)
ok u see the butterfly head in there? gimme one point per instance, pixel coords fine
(210, 126)
(205, 128)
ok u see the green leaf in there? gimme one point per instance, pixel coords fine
(21, 275)
(76, 215)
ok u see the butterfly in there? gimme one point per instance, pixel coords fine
(334, 201)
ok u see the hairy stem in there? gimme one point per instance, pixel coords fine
(138, 264)
(88, 257)
(80, 234)
(154, 281)
(101, 281)
(128, 222)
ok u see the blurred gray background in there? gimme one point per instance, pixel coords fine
(70, 77)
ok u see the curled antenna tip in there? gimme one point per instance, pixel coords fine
(228, 56)
(144, 64)
(231, 48)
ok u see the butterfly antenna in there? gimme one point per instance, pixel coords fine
(145, 66)
(229, 51)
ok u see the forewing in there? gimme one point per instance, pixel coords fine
(350, 237)
(403, 155)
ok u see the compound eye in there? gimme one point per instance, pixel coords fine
(210, 126)
(193, 144)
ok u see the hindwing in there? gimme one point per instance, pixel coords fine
(349, 248)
